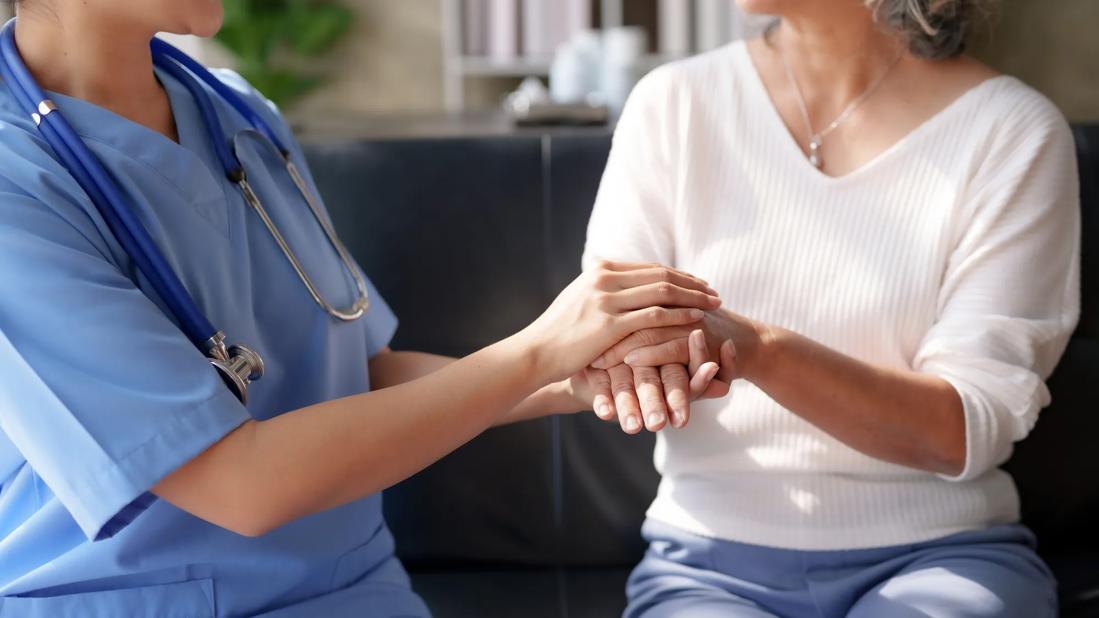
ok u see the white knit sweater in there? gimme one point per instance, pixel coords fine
(955, 253)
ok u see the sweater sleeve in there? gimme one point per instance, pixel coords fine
(632, 217)
(1010, 294)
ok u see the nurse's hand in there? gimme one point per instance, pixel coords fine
(605, 305)
(651, 397)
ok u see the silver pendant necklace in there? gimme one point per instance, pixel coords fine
(816, 138)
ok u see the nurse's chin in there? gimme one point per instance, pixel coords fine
(198, 17)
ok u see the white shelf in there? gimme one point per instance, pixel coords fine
(481, 66)
(459, 66)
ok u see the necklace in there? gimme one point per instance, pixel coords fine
(816, 138)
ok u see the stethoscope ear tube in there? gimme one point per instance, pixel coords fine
(104, 194)
(237, 365)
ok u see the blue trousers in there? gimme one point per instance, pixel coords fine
(991, 572)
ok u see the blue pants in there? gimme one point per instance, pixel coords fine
(992, 572)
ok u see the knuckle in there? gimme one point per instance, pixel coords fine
(602, 279)
(671, 373)
(621, 388)
(665, 289)
(645, 338)
(606, 322)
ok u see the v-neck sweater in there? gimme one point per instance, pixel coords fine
(954, 253)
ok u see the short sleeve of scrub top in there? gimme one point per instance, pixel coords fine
(99, 390)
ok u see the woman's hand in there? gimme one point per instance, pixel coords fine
(651, 397)
(607, 304)
(729, 337)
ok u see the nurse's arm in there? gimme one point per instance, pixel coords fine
(389, 368)
(268, 473)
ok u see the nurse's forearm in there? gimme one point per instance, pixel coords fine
(390, 368)
(265, 474)
(268, 473)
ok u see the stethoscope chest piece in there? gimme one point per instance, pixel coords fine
(237, 365)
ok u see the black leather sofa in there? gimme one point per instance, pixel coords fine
(469, 239)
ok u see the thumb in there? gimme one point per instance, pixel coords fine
(728, 360)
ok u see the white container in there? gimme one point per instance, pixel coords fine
(568, 76)
(503, 29)
(623, 65)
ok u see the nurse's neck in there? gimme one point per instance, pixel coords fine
(84, 55)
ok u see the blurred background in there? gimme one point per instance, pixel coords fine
(330, 63)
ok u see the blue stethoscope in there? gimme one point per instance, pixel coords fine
(238, 365)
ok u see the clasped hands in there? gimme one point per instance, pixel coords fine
(648, 379)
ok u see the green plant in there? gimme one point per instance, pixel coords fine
(274, 40)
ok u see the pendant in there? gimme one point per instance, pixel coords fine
(814, 152)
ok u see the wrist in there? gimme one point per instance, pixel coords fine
(566, 399)
(761, 352)
(530, 358)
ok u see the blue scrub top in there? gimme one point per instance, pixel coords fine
(101, 395)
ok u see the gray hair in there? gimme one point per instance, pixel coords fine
(932, 28)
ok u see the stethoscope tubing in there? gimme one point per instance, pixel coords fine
(104, 194)
(238, 364)
(162, 49)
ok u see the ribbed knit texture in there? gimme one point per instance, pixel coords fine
(955, 252)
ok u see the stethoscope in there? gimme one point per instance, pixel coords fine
(238, 365)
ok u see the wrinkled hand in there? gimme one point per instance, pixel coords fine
(650, 397)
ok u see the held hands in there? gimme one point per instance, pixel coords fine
(606, 305)
(652, 397)
(645, 375)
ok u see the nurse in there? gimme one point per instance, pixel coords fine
(132, 481)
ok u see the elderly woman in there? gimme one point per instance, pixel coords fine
(894, 229)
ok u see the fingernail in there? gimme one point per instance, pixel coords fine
(632, 424)
(678, 418)
(630, 359)
(604, 410)
(697, 314)
(655, 419)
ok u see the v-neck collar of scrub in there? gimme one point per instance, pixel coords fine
(183, 165)
(793, 148)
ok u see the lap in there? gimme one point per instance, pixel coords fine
(673, 596)
(993, 572)
(963, 582)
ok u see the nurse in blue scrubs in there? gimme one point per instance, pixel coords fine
(132, 481)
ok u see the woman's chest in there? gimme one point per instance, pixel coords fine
(855, 266)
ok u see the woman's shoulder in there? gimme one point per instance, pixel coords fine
(711, 78)
(708, 70)
(1002, 100)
